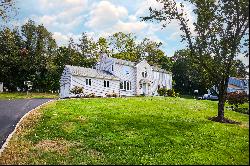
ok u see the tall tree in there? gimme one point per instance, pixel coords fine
(103, 46)
(123, 46)
(187, 75)
(240, 69)
(87, 46)
(150, 50)
(6, 8)
(220, 29)
(10, 58)
(40, 46)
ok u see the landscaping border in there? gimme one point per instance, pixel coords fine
(18, 124)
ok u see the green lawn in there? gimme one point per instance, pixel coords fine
(139, 130)
(23, 95)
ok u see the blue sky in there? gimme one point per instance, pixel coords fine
(69, 18)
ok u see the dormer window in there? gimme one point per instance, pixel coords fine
(126, 70)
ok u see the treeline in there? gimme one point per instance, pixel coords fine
(31, 53)
(188, 76)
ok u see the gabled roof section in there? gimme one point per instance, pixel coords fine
(133, 64)
(123, 62)
(155, 68)
(88, 72)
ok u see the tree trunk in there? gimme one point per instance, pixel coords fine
(221, 105)
(222, 98)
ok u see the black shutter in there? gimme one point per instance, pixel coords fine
(124, 83)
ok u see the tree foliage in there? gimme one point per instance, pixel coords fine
(218, 34)
(237, 98)
(30, 53)
(187, 75)
(7, 7)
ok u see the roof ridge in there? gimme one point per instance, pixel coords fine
(90, 72)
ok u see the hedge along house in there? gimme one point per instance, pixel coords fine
(111, 75)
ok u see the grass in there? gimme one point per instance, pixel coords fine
(23, 95)
(142, 130)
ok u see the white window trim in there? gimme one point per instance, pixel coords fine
(107, 83)
(88, 81)
(125, 87)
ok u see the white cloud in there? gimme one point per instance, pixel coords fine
(244, 59)
(107, 18)
(62, 40)
(64, 20)
(129, 27)
(105, 14)
(67, 18)
(56, 22)
(59, 4)
(143, 8)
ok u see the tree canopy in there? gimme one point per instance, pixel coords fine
(219, 35)
(31, 53)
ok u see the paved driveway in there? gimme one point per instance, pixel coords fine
(11, 111)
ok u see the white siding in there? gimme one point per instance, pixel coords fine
(141, 67)
(65, 82)
(119, 71)
(116, 70)
(97, 86)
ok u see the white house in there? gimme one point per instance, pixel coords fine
(111, 75)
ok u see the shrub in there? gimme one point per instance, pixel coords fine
(77, 91)
(91, 95)
(172, 93)
(236, 98)
(115, 95)
(162, 91)
(111, 94)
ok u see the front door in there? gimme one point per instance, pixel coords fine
(144, 88)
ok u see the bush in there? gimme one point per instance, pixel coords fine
(77, 91)
(162, 91)
(91, 95)
(172, 93)
(236, 98)
(111, 94)
(167, 92)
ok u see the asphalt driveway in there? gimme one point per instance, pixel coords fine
(11, 111)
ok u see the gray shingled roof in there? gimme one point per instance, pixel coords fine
(155, 68)
(88, 72)
(123, 62)
(133, 64)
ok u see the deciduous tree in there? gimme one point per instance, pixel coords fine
(219, 33)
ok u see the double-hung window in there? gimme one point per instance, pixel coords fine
(144, 74)
(106, 83)
(88, 81)
(125, 85)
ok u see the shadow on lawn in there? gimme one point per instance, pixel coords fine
(154, 126)
(224, 120)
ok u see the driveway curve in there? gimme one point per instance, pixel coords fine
(11, 111)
